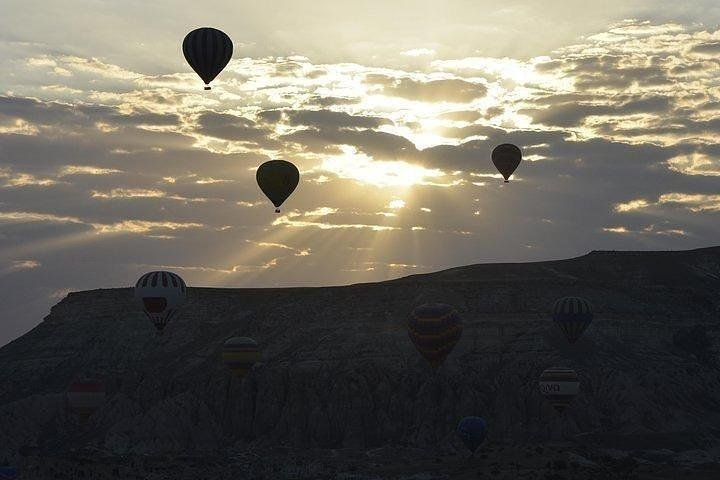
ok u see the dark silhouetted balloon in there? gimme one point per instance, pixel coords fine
(435, 328)
(472, 431)
(85, 397)
(240, 354)
(161, 294)
(572, 315)
(559, 386)
(506, 158)
(277, 179)
(207, 50)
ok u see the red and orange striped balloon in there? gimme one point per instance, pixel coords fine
(435, 329)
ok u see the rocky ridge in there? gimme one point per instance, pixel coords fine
(339, 373)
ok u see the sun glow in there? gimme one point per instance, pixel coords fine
(381, 173)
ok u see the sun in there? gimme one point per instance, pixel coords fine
(357, 166)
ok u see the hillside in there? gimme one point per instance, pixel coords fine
(339, 373)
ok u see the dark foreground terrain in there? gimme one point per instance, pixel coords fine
(341, 392)
(556, 461)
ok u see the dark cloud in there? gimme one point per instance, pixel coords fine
(691, 68)
(446, 90)
(325, 102)
(234, 128)
(270, 116)
(326, 119)
(572, 114)
(708, 48)
(611, 72)
(379, 145)
(59, 114)
(622, 78)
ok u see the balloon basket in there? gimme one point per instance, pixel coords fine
(277, 210)
(206, 88)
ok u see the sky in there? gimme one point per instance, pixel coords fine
(114, 161)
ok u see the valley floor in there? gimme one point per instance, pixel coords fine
(493, 461)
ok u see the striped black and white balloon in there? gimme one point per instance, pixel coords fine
(161, 294)
(207, 50)
(572, 315)
(559, 386)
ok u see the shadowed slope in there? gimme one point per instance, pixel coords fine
(338, 369)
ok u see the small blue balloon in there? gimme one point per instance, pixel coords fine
(472, 431)
(9, 473)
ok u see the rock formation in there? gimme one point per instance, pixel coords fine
(339, 372)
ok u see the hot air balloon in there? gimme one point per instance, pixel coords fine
(435, 328)
(161, 295)
(240, 354)
(207, 50)
(9, 473)
(472, 431)
(559, 386)
(277, 179)
(506, 158)
(84, 397)
(573, 315)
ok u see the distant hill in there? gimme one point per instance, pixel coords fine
(339, 371)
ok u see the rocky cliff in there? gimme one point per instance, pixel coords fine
(339, 372)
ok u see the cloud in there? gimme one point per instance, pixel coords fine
(444, 90)
(125, 193)
(124, 226)
(632, 205)
(61, 115)
(334, 120)
(24, 264)
(294, 219)
(695, 163)
(419, 52)
(232, 127)
(708, 48)
(86, 170)
(573, 114)
(693, 202)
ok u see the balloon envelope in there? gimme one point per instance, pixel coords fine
(161, 294)
(84, 397)
(435, 329)
(472, 431)
(277, 179)
(572, 315)
(9, 473)
(207, 50)
(240, 354)
(506, 158)
(559, 386)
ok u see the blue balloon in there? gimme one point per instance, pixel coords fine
(9, 473)
(472, 431)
